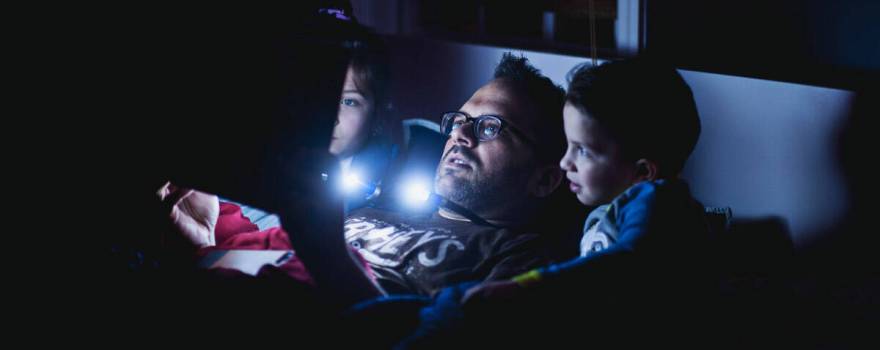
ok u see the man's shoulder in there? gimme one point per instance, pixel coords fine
(434, 222)
(503, 239)
(366, 212)
(380, 214)
(405, 221)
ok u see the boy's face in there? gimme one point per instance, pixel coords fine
(593, 162)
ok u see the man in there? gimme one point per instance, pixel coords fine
(499, 163)
(498, 172)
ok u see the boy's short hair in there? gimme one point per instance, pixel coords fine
(644, 104)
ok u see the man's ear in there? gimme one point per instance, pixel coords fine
(646, 170)
(545, 181)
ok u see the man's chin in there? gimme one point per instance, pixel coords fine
(447, 184)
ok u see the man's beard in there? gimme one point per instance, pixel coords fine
(482, 193)
(472, 194)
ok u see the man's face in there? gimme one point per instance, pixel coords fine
(489, 175)
(593, 163)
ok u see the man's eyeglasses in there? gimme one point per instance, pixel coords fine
(486, 127)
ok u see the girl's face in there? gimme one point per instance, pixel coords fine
(593, 163)
(353, 121)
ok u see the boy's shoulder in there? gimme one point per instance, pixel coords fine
(649, 192)
(668, 199)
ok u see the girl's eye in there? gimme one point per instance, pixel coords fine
(350, 102)
(582, 151)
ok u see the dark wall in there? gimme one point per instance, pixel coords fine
(827, 43)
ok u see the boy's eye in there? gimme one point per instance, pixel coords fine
(350, 102)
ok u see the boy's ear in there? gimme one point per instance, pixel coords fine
(646, 170)
(545, 181)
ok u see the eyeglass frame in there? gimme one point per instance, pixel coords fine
(503, 124)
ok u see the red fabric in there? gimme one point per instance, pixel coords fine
(231, 222)
(236, 231)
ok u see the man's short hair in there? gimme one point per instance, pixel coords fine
(546, 98)
(644, 104)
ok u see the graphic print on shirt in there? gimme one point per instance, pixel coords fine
(600, 230)
(595, 241)
(385, 245)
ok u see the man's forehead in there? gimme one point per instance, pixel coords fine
(490, 99)
(499, 98)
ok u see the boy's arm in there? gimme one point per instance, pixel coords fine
(639, 221)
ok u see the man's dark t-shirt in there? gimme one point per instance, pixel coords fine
(423, 253)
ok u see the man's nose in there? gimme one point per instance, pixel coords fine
(464, 135)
